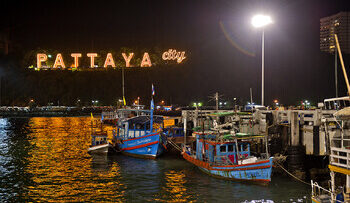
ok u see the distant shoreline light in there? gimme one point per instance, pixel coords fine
(171, 54)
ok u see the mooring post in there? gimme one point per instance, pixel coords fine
(294, 129)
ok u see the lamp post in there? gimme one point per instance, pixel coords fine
(261, 21)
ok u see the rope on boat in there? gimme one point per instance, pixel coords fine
(174, 145)
(289, 173)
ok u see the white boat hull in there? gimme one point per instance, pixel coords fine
(100, 149)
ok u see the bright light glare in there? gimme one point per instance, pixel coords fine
(261, 20)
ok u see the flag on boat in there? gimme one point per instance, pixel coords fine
(152, 105)
(124, 101)
(153, 92)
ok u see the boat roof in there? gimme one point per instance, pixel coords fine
(220, 114)
(144, 119)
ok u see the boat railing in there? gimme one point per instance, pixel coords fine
(340, 157)
(337, 103)
(317, 190)
(109, 115)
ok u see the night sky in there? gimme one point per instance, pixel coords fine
(223, 49)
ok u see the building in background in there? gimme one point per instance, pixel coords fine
(335, 24)
(4, 43)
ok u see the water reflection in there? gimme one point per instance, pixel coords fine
(13, 150)
(175, 189)
(141, 177)
(61, 168)
(46, 160)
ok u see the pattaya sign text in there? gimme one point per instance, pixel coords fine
(60, 62)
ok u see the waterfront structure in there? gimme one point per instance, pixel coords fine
(335, 24)
(339, 164)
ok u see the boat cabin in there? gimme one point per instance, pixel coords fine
(138, 126)
(221, 152)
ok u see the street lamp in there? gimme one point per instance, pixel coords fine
(235, 100)
(261, 21)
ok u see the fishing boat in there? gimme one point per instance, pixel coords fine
(140, 135)
(229, 159)
(223, 152)
(99, 138)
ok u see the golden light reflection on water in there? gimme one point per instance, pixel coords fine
(61, 168)
(175, 189)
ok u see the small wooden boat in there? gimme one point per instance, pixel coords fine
(99, 138)
(100, 147)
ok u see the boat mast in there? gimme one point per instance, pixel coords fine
(123, 85)
(152, 107)
(336, 72)
(342, 63)
(217, 100)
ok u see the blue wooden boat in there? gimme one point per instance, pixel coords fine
(140, 136)
(229, 158)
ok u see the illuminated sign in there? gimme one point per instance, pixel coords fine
(172, 54)
(109, 60)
